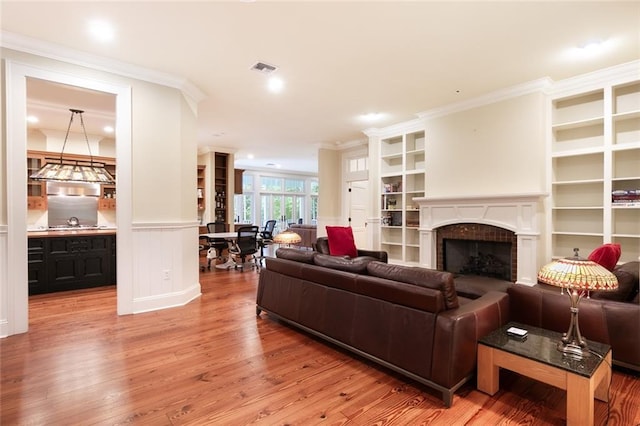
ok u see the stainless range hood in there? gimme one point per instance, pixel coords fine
(73, 189)
(66, 200)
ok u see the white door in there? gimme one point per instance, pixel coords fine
(358, 194)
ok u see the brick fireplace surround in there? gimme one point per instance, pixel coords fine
(519, 214)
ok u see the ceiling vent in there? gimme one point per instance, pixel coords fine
(263, 68)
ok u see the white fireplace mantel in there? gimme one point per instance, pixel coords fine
(519, 213)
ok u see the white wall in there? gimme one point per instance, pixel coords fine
(493, 149)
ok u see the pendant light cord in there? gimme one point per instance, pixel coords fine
(84, 131)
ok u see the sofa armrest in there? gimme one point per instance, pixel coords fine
(380, 255)
(458, 331)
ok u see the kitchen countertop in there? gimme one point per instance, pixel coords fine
(68, 233)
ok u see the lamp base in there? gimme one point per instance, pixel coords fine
(574, 350)
(572, 343)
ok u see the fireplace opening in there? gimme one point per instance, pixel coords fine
(473, 257)
(478, 249)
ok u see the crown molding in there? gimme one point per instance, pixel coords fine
(608, 76)
(395, 129)
(56, 52)
(540, 85)
(212, 148)
(351, 144)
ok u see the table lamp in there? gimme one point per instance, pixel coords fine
(287, 237)
(579, 276)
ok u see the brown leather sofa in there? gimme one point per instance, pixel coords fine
(307, 233)
(611, 318)
(322, 246)
(409, 320)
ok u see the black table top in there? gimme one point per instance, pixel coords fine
(541, 345)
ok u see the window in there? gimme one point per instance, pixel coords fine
(287, 199)
(294, 185)
(243, 208)
(271, 184)
(313, 207)
(247, 183)
(358, 164)
(314, 210)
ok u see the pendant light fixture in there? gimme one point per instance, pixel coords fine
(81, 171)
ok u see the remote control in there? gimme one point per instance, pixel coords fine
(515, 331)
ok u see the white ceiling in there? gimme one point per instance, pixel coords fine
(338, 59)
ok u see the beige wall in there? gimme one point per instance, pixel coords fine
(330, 181)
(494, 149)
(161, 156)
(3, 149)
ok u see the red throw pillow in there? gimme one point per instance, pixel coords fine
(606, 255)
(341, 241)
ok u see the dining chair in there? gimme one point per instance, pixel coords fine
(266, 238)
(246, 246)
(218, 245)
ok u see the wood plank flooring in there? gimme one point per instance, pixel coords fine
(213, 362)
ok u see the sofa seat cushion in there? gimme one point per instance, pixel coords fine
(356, 265)
(437, 280)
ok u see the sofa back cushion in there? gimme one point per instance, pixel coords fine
(627, 275)
(400, 293)
(298, 255)
(437, 280)
(357, 265)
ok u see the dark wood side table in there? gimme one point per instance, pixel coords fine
(537, 357)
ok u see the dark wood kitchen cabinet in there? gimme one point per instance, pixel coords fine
(36, 251)
(71, 262)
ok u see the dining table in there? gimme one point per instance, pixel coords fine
(231, 237)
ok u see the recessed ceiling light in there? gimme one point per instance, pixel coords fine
(590, 49)
(372, 116)
(101, 30)
(32, 119)
(275, 84)
(250, 156)
(108, 129)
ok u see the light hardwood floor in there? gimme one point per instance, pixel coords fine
(213, 362)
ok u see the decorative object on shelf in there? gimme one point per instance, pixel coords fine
(59, 169)
(624, 197)
(579, 276)
(287, 237)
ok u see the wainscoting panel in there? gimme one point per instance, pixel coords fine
(165, 268)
